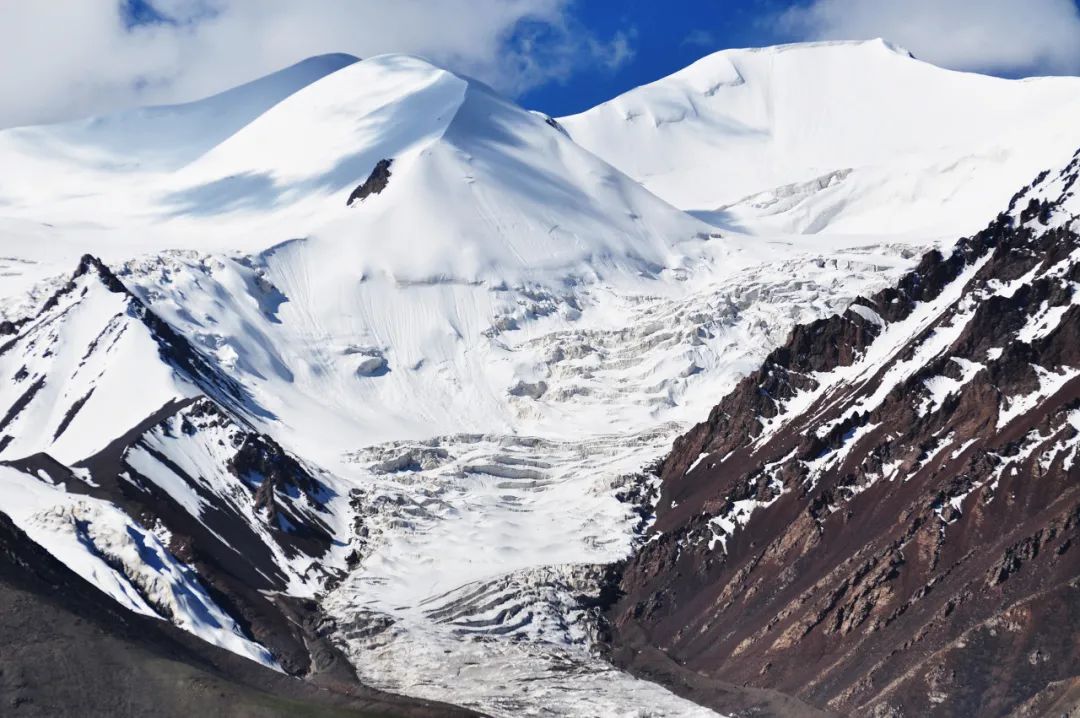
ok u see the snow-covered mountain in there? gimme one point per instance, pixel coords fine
(504, 195)
(834, 137)
(362, 364)
(882, 519)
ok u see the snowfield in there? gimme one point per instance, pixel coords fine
(478, 362)
(834, 137)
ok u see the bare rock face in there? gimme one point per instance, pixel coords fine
(69, 650)
(374, 184)
(533, 390)
(259, 509)
(884, 518)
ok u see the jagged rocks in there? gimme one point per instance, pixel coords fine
(69, 650)
(374, 184)
(879, 519)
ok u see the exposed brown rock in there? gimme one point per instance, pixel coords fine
(911, 552)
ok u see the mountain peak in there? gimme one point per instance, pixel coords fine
(898, 145)
(878, 44)
(926, 438)
(163, 137)
(504, 194)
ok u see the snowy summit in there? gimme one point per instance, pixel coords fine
(365, 373)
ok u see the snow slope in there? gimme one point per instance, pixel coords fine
(169, 136)
(501, 191)
(437, 380)
(112, 551)
(837, 137)
(335, 326)
(77, 376)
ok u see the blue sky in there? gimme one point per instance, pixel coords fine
(667, 36)
(663, 36)
(83, 57)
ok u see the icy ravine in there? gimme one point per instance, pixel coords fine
(451, 357)
(434, 609)
(442, 512)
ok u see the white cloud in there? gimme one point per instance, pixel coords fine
(66, 58)
(616, 52)
(998, 36)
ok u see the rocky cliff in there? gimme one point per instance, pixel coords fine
(884, 518)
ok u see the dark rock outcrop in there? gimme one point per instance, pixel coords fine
(374, 184)
(884, 518)
(70, 650)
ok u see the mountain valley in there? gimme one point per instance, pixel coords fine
(750, 392)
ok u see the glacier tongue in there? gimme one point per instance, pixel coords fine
(481, 556)
(432, 410)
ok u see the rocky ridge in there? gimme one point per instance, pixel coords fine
(882, 517)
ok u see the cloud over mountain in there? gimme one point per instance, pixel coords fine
(998, 36)
(88, 56)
